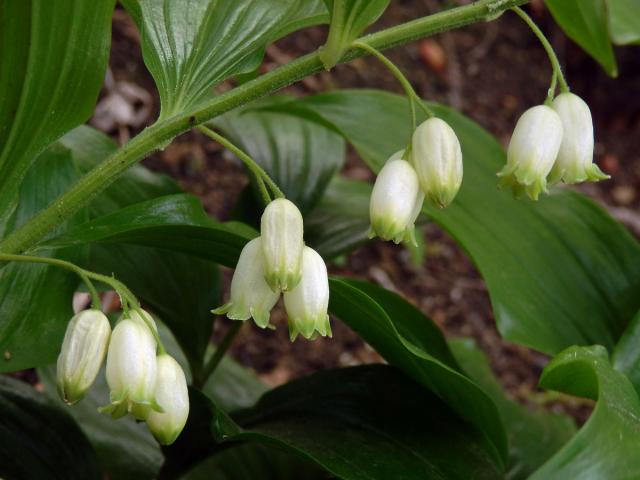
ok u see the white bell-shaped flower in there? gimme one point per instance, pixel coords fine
(250, 296)
(307, 304)
(172, 396)
(282, 242)
(395, 201)
(575, 159)
(83, 349)
(437, 158)
(131, 370)
(532, 151)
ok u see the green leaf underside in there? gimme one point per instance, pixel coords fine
(191, 46)
(368, 422)
(586, 22)
(410, 341)
(30, 309)
(607, 445)
(300, 156)
(624, 21)
(38, 440)
(340, 221)
(534, 435)
(50, 52)
(538, 258)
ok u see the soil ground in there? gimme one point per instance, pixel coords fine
(492, 72)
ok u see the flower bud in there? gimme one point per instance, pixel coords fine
(532, 151)
(131, 370)
(396, 201)
(83, 349)
(282, 242)
(173, 397)
(575, 158)
(307, 303)
(250, 294)
(437, 158)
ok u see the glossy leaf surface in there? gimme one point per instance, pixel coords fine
(367, 422)
(190, 46)
(50, 52)
(301, 156)
(538, 259)
(607, 445)
(38, 439)
(624, 21)
(534, 434)
(586, 22)
(410, 341)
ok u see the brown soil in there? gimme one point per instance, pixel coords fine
(492, 72)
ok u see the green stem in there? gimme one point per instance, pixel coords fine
(406, 85)
(159, 134)
(82, 273)
(553, 58)
(127, 297)
(221, 349)
(251, 164)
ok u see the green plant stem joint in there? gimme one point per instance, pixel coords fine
(162, 132)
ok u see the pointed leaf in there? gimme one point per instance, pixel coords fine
(586, 22)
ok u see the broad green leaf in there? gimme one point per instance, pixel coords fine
(534, 434)
(539, 259)
(190, 46)
(410, 341)
(349, 18)
(301, 156)
(332, 229)
(253, 461)
(35, 299)
(586, 23)
(369, 422)
(624, 21)
(626, 356)
(38, 440)
(607, 445)
(53, 56)
(89, 147)
(174, 222)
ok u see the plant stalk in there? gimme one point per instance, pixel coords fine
(162, 132)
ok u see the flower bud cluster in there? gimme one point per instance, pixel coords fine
(148, 386)
(551, 144)
(432, 171)
(278, 262)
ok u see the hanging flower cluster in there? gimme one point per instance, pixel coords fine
(551, 143)
(144, 382)
(279, 262)
(432, 170)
